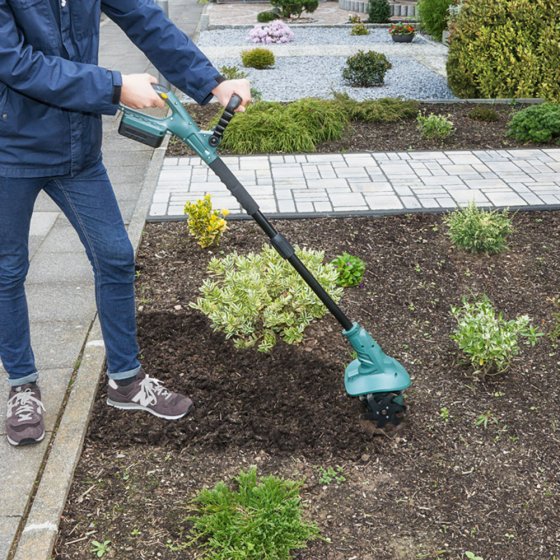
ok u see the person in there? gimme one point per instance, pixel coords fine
(52, 96)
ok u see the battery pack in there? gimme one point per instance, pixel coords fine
(153, 140)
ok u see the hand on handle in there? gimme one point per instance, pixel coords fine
(233, 104)
(224, 92)
(138, 92)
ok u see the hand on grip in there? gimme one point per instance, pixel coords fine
(225, 119)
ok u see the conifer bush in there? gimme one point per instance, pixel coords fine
(366, 69)
(379, 11)
(258, 58)
(433, 16)
(505, 48)
(294, 8)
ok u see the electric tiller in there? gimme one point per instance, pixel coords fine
(377, 379)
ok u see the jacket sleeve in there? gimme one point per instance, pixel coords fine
(167, 47)
(52, 79)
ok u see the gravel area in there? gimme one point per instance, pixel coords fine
(307, 71)
(320, 76)
(302, 36)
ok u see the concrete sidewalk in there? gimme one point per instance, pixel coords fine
(62, 312)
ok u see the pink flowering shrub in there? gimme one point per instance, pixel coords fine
(274, 32)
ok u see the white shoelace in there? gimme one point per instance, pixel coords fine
(150, 388)
(22, 405)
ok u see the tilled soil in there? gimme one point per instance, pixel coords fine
(442, 485)
(470, 134)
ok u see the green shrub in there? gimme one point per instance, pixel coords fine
(489, 341)
(350, 270)
(477, 230)
(379, 11)
(382, 110)
(505, 48)
(433, 16)
(255, 299)
(485, 114)
(267, 127)
(359, 29)
(267, 16)
(539, 123)
(434, 127)
(206, 225)
(366, 69)
(232, 73)
(258, 58)
(319, 117)
(252, 521)
(294, 8)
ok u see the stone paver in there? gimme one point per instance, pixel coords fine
(370, 181)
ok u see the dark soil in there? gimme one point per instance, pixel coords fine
(436, 489)
(470, 134)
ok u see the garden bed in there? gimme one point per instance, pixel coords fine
(442, 485)
(470, 134)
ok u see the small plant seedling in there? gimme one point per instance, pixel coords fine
(350, 270)
(99, 549)
(485, 418)
(135, 533)
(330, 475)
(434, 127)
(473, 556)
(444, 413)
(232, 73)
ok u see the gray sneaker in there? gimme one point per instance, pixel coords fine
(147, 393)
(25, 422)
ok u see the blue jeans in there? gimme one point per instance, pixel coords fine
(88, 201)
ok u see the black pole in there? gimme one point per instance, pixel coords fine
(278, 241)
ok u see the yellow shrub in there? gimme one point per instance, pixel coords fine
(205, 224)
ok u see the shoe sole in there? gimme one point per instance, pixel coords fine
(132, 406)
(28, 441)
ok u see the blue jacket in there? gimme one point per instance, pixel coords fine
(53, 93)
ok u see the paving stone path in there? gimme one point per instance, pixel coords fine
(367, 182)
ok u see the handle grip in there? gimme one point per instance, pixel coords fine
(225, 119)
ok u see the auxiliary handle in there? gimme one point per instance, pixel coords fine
(225, 119)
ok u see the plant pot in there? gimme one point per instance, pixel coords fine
(403, 37)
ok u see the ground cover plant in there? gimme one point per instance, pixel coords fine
(258, 519)
(540, 123)
(473, 469)
(373, 125)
